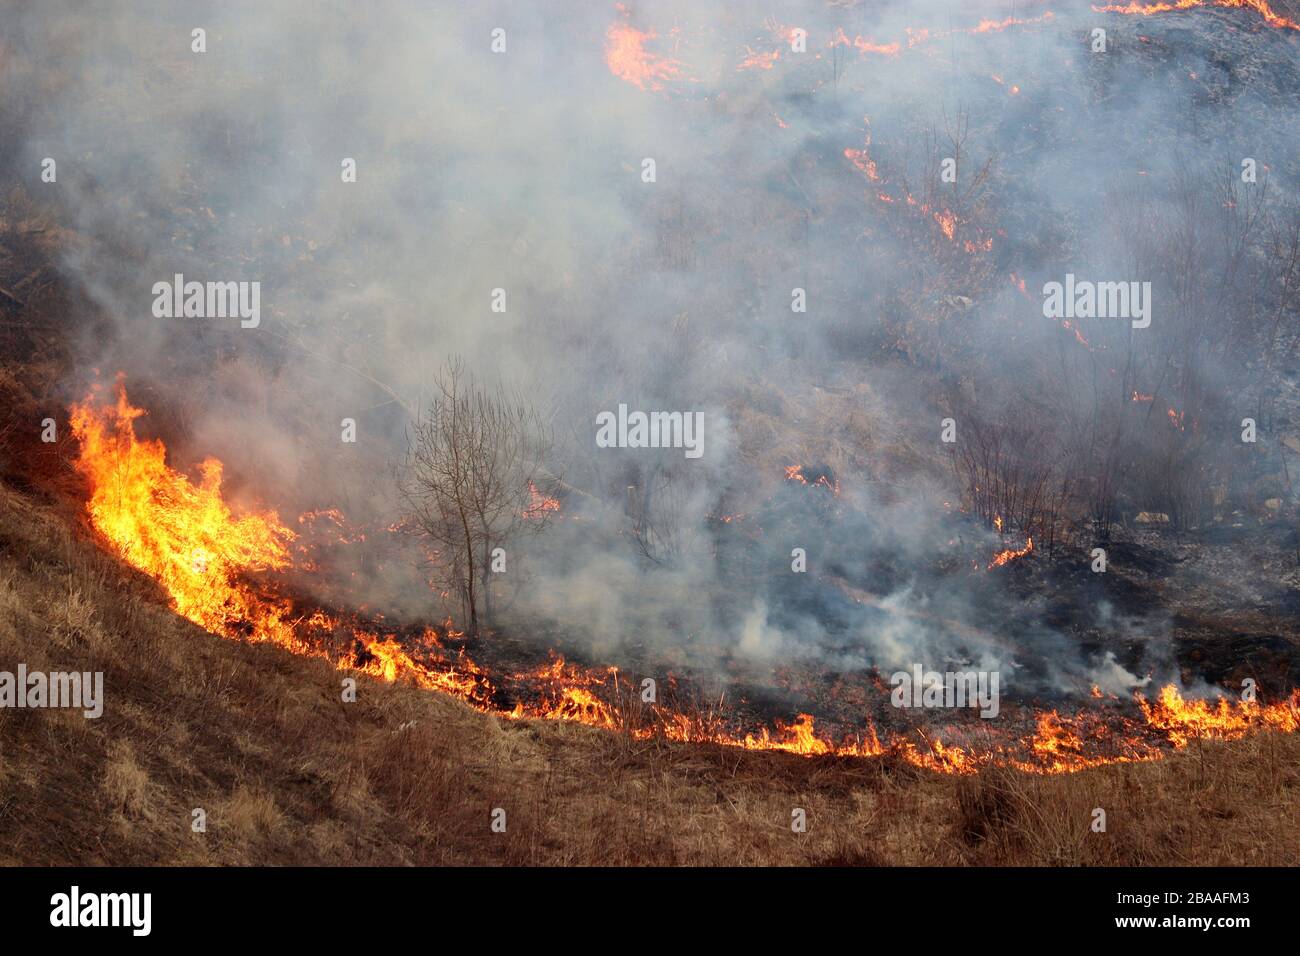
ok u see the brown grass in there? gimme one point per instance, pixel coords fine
(289, 774)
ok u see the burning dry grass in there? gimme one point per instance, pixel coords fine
(183, 535)
(288, 774)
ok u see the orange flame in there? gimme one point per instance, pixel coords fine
(628, 59)
(1186, 720)
(1009, 555)
(181, 533)
(862, 44)
(184, 535)
(919, 36)
(994, 26)
(795, 473)
(947, 220)
(759, 61)
(1078, 336)
(1262, 7)
(865, 165)
(539, 504)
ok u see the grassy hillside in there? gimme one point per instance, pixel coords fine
(289, 774)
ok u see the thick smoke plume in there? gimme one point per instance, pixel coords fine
(775, 170)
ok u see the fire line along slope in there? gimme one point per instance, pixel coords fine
(991, 322)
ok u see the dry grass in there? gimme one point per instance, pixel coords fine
(288, 774)
(125, 783)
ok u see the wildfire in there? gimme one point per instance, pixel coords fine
(947, 222)
(1262, 7)
(1078, 336)
(560, 670)
(922, 35)
(994, 26)
(1186, 720)
(180, 532)
(539, 504)
(883, 49)
(795, 473)
(946, 219)
(796, 738)
(1012, 90)
(1009, 555)
(183, 534)
(329, 516)
(862, 44)
(628, 59)
(864, 163)
(1055, 744)
(582, 706)
(759, 61)
(385, 658)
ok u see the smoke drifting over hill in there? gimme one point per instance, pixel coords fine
(781, 177)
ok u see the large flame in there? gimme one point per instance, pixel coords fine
(183, 534)
(178, 531)
(629, 60)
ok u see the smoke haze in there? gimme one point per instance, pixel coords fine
(523, 171)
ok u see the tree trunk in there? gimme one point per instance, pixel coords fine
(469, 573)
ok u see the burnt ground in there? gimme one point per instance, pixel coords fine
(1203, 609)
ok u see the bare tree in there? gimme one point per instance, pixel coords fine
(471, 478)
(664, 528)
(1013, 475)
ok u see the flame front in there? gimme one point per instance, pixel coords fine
(1262, 7)
(179, 532)
(184, 535)
(1187, 720)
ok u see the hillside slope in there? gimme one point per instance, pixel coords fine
(289, 774)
